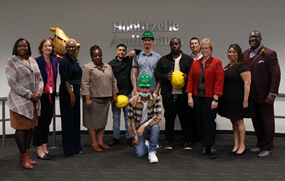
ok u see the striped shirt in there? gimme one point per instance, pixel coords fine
(135, 108)
(24, 81)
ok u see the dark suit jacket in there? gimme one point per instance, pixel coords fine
(42, 65)
(265, 73)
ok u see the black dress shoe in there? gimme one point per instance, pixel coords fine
(114, 142)
(130, 142)
(50, 154)
(45, 157)
(213, 152)
(239, 154)
(205, 151)
(232, 152)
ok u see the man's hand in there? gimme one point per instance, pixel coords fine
(131, 53)
(169, 75)
(137, 142)
(270, 99)
(156, 92)
(184, 76)
(136, 92)
(141, 130)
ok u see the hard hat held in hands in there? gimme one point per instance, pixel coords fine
(177, 80)
(122, 101)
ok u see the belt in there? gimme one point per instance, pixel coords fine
(77, 81)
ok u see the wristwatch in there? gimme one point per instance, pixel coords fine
(216, 100)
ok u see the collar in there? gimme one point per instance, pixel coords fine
(256, 50)
(169, 56)
(69, 58)
(96, 66)
(197, 56)
(120, 60)
(150, 54)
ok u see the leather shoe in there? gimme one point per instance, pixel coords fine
(264, 153)
(242, 153)
(96, 148)
(103, 146)
(255, 150)
(213, 152)
(45, 157)
(130, 142)
(204, 151)
(232, 152)
(50, 154)
(114, 142)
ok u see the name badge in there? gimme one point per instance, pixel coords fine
(209, 64)
(50, 90)
(71, 87)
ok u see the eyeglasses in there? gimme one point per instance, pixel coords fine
(205, 48)
(71, 47)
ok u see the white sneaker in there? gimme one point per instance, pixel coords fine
(152, 157)
(147, 144)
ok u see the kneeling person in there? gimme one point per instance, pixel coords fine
(144, 115)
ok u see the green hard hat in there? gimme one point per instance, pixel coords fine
(145, 81)
(147, 34)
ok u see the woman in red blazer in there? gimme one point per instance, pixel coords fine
(204, 87)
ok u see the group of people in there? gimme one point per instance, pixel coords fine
(245, 88)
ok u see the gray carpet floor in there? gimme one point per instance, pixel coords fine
(121, 163)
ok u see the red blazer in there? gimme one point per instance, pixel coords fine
(265, 73)
(213, 76)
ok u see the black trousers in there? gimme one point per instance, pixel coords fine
(177, 104)
(205, 117)
(41, 131)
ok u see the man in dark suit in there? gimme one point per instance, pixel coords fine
(265, 76)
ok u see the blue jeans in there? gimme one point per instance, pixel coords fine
(117, 120)
(142, 149)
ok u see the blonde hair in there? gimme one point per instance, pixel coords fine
(207, 41)
(71, 40)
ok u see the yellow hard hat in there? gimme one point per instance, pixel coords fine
(122, 101)
(177, 80)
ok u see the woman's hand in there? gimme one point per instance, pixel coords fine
(141, 130)
(114, 98)
(214, 105)
(72, 100)
(35, 96)
(89, 104)
(190, 102)
(245, 104)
